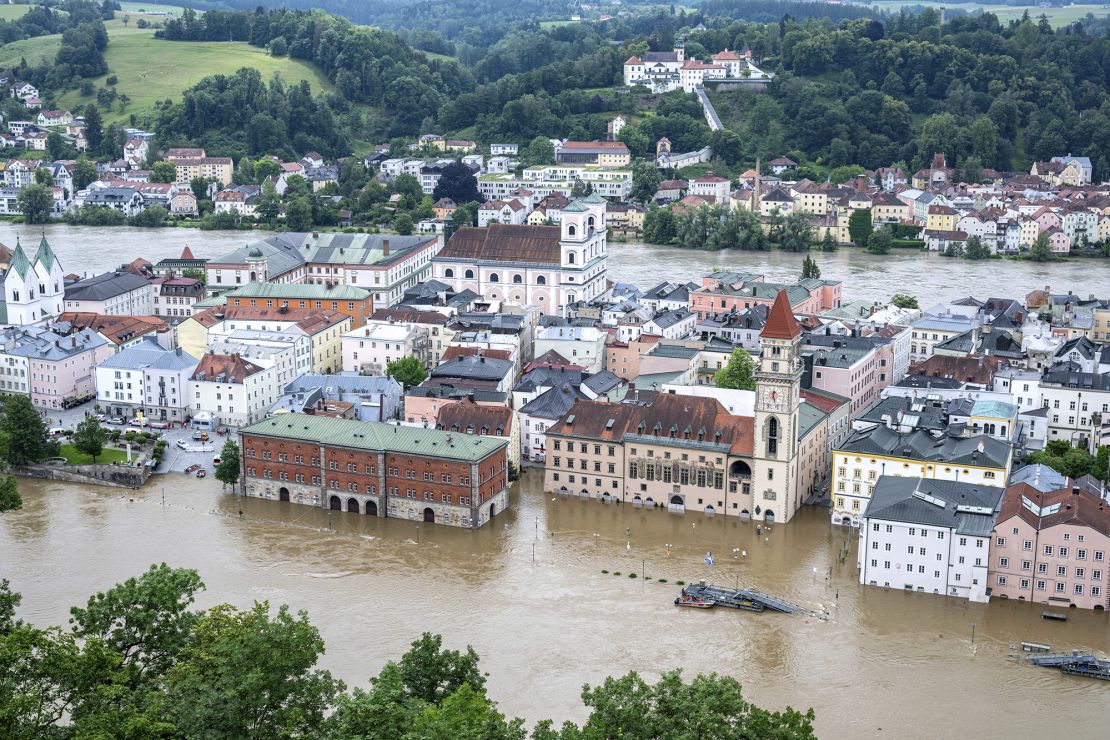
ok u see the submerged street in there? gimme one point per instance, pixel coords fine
(882, 660)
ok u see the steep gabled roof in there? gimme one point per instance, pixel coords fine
(781, 323)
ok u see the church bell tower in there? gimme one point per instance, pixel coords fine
(778, 379)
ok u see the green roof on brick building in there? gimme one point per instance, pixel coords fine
(377, 435)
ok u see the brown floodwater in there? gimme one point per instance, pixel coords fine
(883, 664)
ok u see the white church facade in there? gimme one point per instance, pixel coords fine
(34, 289)
(549, 267)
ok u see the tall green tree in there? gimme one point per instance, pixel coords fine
(880, 241)
(828, 241)
(859, 227)
(738, 374)
(458, 183)
(163, 171)
(35, 202)
(84, 172)
(810, 269)
(24, 431)
(89, 437)
(298, 214)
(976, 249)
(402, 224)
(94, 127)
(796, 233)
(227, 472)
(408, 371)
(1041, 251)
(645, 181)
(901, 300)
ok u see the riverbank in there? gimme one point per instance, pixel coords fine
(925, 275)
(364, 581)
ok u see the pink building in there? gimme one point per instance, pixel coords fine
(61, 367)
(1051, 548)
(724, 292)
(853, 368)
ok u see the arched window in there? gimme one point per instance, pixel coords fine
(449, 273)
(494, 278)
(518, 279)
(772, 436)
(571, 230)
(570, 257)
(591, 223)
(541, 280)
(469, 274)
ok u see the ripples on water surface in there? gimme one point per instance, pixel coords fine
(902, 662)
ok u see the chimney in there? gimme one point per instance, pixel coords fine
(385, 247)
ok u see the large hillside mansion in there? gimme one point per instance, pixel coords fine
(663, 71)
(546, 266)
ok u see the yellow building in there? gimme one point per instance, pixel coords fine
(1030, 230)
(192, 333)
(868, 455)
(809, 199)
(941, 218)
(325, 330)
(1100, 325)
(888, 209)
(216, 168)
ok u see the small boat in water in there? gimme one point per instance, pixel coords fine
(694, 602)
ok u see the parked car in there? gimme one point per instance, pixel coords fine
(100, 417)
(139, 422)
(160, 425)
(216, 461)
(117, 421)
(57, 431)
(182, 444)
(200, 436)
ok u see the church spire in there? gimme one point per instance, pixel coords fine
(781, 323)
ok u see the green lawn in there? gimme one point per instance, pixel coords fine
(106, 456)
(11, 12)
(151, 69)
(46, 47)
(1056, 16)
(176, 10)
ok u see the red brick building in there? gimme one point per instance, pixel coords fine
(376, 468)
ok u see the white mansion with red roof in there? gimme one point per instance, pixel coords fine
(663, 71)
(549, 267)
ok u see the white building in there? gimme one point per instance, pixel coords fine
(233, 390)
(928, 535)
(33, 289)
(288, 353)
(548, 267)
(371, 348)
(112, 294)
(146, 377)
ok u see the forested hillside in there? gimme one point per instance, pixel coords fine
(850, 90)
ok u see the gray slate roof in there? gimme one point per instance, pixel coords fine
(968, 509)
(920, 445)
(104, 286)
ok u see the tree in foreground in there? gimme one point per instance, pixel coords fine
(9, 495)
(89, 437)
(828, 241)
(737, 374)
(879, 242)
(23, 431)
(408, 371)
(797, 233)
(810, 270)
(138, 661)
(227, 472)
(709, 706)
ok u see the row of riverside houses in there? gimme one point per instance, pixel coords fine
(904, 418)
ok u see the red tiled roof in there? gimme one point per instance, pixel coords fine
(228, 368)
(780, 321)
(497, 354)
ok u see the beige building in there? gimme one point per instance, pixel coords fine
(217, 168)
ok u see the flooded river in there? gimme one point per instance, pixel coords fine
(928, 276)
(885, 663)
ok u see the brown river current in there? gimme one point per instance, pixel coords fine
(884, 664)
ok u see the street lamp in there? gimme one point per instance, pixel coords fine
(628, 536)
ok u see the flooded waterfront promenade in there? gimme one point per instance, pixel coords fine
(902, 662)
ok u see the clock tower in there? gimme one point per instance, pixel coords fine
(778, 389)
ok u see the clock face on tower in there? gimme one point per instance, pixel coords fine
(773, 399)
